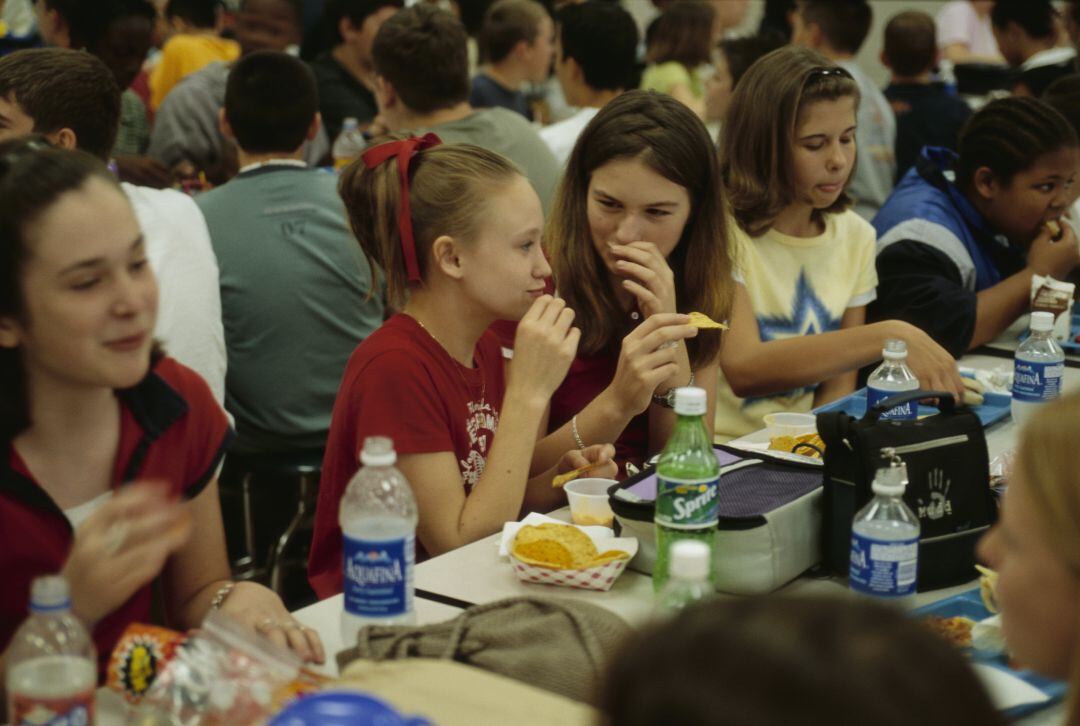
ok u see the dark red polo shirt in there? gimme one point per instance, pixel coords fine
(171, 429)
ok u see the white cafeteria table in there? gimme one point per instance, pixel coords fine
(476, 574)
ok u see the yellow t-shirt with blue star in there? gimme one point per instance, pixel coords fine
(797, 286)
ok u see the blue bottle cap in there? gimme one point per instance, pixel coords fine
(343, 708)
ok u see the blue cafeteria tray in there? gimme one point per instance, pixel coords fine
(996, 406)
(1070, 346)
(969, 604)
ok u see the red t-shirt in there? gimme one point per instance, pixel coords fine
(171, 429)
(402, 384)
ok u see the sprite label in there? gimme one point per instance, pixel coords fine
(687, 503)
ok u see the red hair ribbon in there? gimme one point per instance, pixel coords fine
(404, 150)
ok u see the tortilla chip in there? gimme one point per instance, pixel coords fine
(554, 545)
(704, 322)
(609, 556)
(544, 553)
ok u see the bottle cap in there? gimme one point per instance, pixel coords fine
(350, 123)
(894, 349)
(689, 560)
(690, 401)
(892, 480)
(1042, 321)
(49, 593)
(378, 451)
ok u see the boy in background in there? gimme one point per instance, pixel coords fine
(516, 46)
(595, 51)
(294, 284)
(194, 44)
(422, 63)
(345, 74)
(186, 136)
(1027, 34)
(926, 114)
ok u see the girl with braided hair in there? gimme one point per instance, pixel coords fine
(962, 234)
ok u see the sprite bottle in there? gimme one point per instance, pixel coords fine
(687, 478)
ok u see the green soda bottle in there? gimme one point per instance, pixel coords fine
(687, 479)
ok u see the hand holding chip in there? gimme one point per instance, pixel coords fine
(647, 359)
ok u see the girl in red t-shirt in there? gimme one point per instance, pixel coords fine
(457, 230)
(637, 240)
(110, 451)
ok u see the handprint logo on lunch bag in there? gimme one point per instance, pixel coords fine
(939, 504)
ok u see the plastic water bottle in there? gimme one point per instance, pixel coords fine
(687, 480)
(885, 538)
(1038, 369)
(378, 521)
(349, 144)
(891, 378)
(51, 667)
(689, 569)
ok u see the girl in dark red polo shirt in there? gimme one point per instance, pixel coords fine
(108, 472)
(637, 240)
(458, 235)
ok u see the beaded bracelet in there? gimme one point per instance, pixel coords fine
(577, 436)
(221, 594)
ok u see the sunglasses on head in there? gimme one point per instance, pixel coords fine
(824, 72)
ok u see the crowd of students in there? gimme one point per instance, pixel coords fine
(505, 302)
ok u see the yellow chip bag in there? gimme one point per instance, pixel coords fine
(704, 322)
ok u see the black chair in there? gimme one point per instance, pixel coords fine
(301, 470)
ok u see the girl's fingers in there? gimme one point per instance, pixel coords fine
(277, 636)
(314, 645)
(658, 339)
(644, 295)
(297, 639)
(645, 253)
(563, 322)
(641, 272)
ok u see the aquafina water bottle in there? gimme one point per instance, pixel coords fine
(51, 666)
(891, 378)
(1038, 368)
(885, 538)
(378, 522)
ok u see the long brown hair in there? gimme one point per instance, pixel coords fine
(759, 132)
(33, 177)
(1048, 461)
(449, 186)
(672, 141)
(683, 34)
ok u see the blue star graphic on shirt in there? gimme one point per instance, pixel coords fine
(809, 316)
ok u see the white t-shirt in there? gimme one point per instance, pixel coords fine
(958, 22)
(189, 299)
(561, 137)
(1048, 57)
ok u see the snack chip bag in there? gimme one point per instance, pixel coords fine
(139, 656)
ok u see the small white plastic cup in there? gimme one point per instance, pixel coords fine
(790, 424)
(589, 502)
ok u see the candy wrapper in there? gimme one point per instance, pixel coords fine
(138, 658)
(1055, 297)
(224, 674)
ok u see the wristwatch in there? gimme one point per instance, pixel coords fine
(667, 400)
